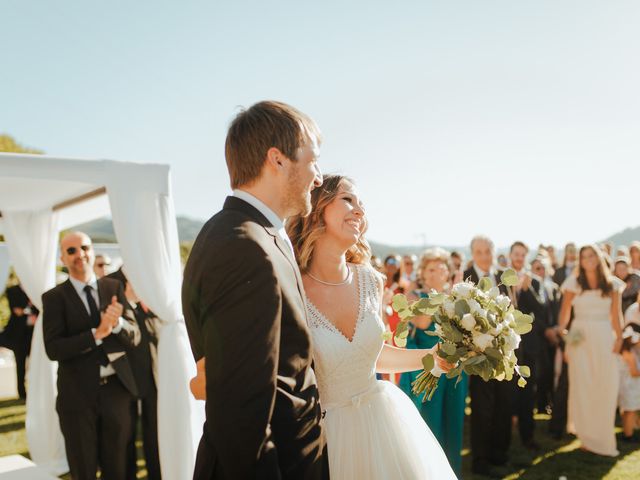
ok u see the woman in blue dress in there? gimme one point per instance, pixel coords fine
(444, 413)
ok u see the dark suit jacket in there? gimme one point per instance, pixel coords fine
(69, 341)
(242, 299)
(470, 274)
(140, 356)
(18, 333)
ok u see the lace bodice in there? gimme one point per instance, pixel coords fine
(345, 369)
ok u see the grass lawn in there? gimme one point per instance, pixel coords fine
(556, 459)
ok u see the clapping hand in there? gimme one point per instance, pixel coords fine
(112, 313)
(198, 384)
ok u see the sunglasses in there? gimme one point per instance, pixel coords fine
(72, 250)
(102, 265)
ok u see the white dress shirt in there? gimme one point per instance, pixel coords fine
(79, 288)
(491, 274)
(270, 215)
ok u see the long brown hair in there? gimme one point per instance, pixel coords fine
(605, 278)
(304, 231)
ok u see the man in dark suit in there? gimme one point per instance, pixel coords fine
(142, 361)
(87, 327)
(19, 331)
(243, 303)
(528, 294)
(490, 401)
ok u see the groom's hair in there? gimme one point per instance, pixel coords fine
(263, 126)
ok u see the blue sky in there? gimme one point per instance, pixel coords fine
(520, 120)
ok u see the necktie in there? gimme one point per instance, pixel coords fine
(95, 320)
(93, 308)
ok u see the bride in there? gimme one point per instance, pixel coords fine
(373, 429)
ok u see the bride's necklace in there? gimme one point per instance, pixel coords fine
(344, 282)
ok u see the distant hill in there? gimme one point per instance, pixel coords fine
(101, 230)
(625, 237)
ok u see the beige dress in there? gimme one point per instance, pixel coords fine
(593, 369)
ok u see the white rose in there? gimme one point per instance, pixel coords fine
(511, 340)
(482, 340)
(482, 312)
(468, 322)
(509, 319)
(474, 305)
(494, 292)
(496, 330)
(449, 308)
(463, 289)
(503, 301)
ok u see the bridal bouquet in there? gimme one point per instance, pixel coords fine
(478, 330)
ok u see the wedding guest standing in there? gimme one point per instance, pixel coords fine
(528, 298)
(623, 271)
(595, 295)
(87, 328)
(490, 401)
(629, 397)
(568, 264)
(634, 253)
(444, 413)
(19, 331)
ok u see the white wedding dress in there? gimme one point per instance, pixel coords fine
(373, 429)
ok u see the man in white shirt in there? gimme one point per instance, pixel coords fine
(87, 327)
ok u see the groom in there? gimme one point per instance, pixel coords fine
(243, 303)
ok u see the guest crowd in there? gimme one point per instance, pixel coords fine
(583, 350)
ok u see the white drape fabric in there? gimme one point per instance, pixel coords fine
(145, 225)
(5, 265)
(32, 238)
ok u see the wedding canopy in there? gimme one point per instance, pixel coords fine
(41, 195)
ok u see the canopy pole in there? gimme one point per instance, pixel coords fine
(76, 200)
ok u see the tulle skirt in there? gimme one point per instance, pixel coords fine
(379, 434)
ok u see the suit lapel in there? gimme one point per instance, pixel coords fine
(235, 203)
(77, 303)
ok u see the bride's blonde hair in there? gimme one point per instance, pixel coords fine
(304, 231)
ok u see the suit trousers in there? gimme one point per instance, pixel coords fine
(146, 416)
(98, 435)
(558, 423)
(490, 421)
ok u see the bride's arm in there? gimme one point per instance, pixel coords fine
(397, 360)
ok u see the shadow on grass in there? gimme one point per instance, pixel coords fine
(11, 402)
(11, 427)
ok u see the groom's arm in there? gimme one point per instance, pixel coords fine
(241, 308)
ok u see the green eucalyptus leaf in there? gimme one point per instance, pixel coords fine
(406, 314)
(401, 342)
(403, 334)
(428, 362)
(485, 284)
(386, 336)
(493, 353)
(509, 277)
(448, 348)
(399, 302)
(522, 328)
(437, 298)
(462, 308)
(431, 333)
(522, 382)
(524, 371)
(475, 360)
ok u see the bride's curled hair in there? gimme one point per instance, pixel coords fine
(304, 231)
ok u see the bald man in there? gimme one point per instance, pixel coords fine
(87, 327)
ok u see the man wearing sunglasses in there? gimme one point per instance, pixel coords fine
(87, 327)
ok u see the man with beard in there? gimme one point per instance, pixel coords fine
(528, 300)
(243, 302)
